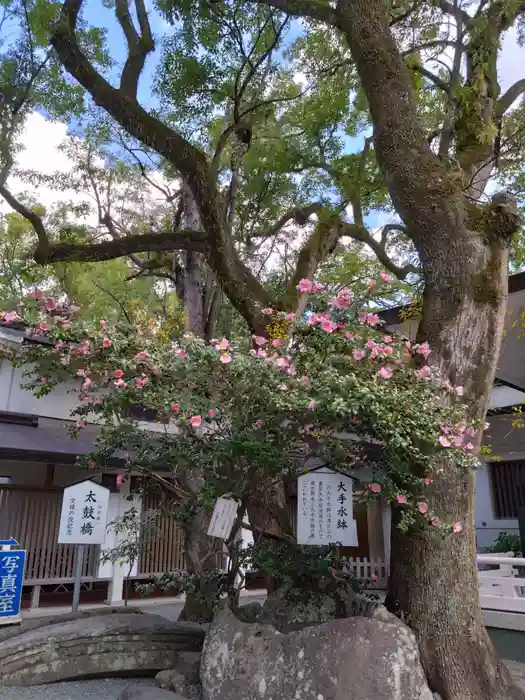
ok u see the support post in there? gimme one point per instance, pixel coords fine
(78, 576)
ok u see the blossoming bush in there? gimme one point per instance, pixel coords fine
(249, 412)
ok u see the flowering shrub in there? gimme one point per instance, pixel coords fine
(243, 411)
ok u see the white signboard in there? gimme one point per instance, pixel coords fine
(325, 513)
(84, 514)
(223, 518)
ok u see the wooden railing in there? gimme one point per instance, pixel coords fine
(164, 551)
(502, 588)
(32, 517)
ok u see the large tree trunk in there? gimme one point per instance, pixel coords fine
(463, 250)
(434, 584)
(199, 558)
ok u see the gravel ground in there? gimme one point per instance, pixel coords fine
(84, 690)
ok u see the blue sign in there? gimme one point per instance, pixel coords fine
(12, 565)
(11, 542)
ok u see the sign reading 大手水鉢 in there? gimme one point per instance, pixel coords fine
(325, 512)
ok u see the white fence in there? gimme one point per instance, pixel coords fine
(375, 571)
(502, 588)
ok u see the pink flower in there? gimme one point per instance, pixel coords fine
(290, 316)
(211, 413)
(444, 441)
(118, 373)
(386, 372)
(401, 499)
(225, 358)
(223, 345)
(35, 294)
(50, 305)
(435, 522)
(267, 312)
(423, 349)
(424, 372)
(358, 354)
(282, 362)
(311, 405)
(385, 277)
(10, 316)
(120, 384)
(86, 384)
(372, 283)
(369, 319)
(259, 340)
(375, 487)
(328, 326)
(141, 382)
(422, 507)
(277, 342)
(469, 446)
(427, 481)
(80, 423)
(195, 421)
(349, 336)
(460, 390)
(44, 326)
(181, 353)
(457, 527)
(107, 343)
(175, 408)
(103, 324)
(119, 478)
(305, 286)
(386, 351)
(388, 339)
(318, 287)
(142, 356)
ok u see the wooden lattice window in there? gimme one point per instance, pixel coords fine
(508, 488)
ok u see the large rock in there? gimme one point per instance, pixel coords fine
(357, 658)
(98, 646)
(184, 678)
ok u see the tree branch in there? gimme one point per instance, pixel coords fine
(298, 214)
(509, 97)
(305, 8)
(127, 245)
(34, 219)
(438, 82)
(139, 45)
(360, 233)
(455, 10)
(239, 283)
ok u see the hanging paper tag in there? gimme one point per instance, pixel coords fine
(223, 518)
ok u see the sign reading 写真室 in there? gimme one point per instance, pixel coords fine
(12, 564)
(84, 514)
(325, 513)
